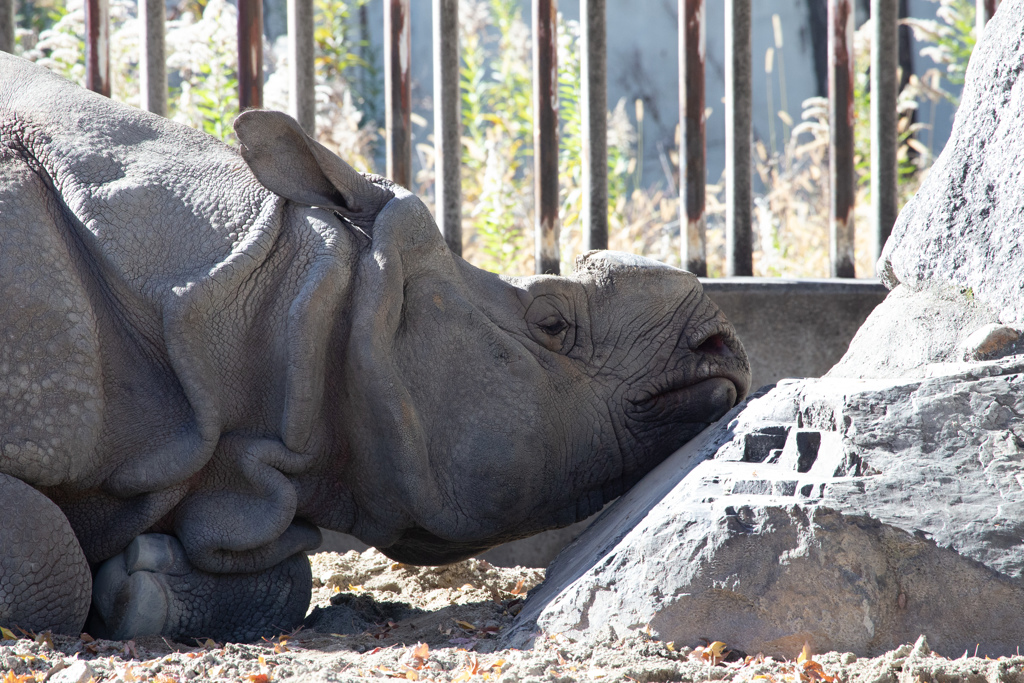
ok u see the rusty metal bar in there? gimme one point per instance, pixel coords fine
(153, 61)
(302, 79)
(984, 11)
(545, 135)
(250, 54)
(97, 46)
(398, 91)
(447, 124)
(738, 139)
(693, 145)
(885, 83)
(842, 181)
(7, 26)
(594, 123)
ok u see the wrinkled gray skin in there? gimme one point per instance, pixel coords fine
(207, 355)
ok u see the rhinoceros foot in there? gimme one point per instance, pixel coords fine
(44, 577)
(152, 589)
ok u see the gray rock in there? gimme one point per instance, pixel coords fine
(953, 258)
(911, 329)
(962, 230)
(849, 513)
(77, 672)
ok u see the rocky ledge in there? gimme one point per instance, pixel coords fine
(845, 513)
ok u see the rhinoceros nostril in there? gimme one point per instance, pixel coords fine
(714, 346)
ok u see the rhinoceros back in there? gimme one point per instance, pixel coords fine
(120, 233)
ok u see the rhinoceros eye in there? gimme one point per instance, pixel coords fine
(548, 323)
(554, 327)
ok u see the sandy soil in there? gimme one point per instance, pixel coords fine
(374, 619)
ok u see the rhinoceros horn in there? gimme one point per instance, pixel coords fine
(287, 161)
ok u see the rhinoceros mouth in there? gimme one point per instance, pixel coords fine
(701, 402)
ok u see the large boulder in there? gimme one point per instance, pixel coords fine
(851, 514)
(883, 501)
(954, 261)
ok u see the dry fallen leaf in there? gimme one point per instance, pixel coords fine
(713, 653)
(11, 677)
(258, 678)
(7, 634)
(519, 589)
(464, 625)
(418, 655)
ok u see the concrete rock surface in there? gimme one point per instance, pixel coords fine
(847, 513)
(963, 228)
(954, 257)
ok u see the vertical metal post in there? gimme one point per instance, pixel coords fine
(7, 26)
(693, 146)
(97, 46)
(545, 135)
(250, 54)
(842, 180)
(594, 123)
(302, 79)
(984, 11)
(738, 139)
(448, 123)
(885, 81)
(153, 61)
(398, 91)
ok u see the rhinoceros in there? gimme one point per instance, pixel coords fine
(209, 353)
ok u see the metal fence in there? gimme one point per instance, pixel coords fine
(884, 87)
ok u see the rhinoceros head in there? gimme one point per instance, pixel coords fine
(476, 408)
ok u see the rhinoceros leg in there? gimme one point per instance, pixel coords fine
(44, 578)
(152, 589)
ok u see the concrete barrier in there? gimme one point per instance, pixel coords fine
(789, 328)
(794, 328)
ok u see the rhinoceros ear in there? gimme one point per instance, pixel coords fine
(290, 163)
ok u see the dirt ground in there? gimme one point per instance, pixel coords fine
(372, 619)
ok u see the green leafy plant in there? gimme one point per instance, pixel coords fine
(950, 39)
